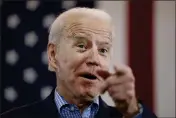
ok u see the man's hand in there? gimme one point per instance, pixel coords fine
(121, 87)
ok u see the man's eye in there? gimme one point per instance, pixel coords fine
(81, 46)
(103, 50)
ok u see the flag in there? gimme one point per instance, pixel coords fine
(145, 40)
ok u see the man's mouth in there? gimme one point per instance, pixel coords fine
(88, 76)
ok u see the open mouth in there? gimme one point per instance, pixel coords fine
(88, 76)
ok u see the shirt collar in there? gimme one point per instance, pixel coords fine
(59, 100)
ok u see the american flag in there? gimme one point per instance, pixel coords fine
(145, 33)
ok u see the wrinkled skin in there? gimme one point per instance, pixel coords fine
(86, 47)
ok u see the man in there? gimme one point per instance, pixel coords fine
(79, 52)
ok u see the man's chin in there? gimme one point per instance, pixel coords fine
(89, 96)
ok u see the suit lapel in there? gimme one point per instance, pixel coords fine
(50, 107)
(103, 111)
(106, 111)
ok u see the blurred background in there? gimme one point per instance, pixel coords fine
(145, 40)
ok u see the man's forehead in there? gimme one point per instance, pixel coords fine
(86, 29)
(93, 22)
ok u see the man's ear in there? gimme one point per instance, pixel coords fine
(51, 50)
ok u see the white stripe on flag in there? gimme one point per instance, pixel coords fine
(164, 55)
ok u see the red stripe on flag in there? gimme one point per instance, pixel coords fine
(140, 48)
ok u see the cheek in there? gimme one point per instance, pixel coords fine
(105, 62)
(75, 61)
(70, 60)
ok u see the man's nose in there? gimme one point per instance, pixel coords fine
(93, 58)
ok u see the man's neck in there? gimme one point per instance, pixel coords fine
(71, 99)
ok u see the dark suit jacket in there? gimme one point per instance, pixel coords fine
(47, 109)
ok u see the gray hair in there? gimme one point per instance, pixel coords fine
(58, 26)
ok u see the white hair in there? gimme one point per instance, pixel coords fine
(58, 26)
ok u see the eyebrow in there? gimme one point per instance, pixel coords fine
(86, 36)
(105, 43)
(79, 38)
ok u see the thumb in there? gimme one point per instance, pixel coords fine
(103, 74)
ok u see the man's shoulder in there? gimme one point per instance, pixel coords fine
(43, 108)
(25, 111)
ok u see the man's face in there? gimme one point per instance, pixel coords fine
(85, 49)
